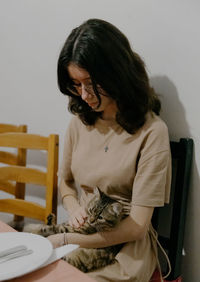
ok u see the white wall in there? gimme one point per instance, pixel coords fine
(164, 33)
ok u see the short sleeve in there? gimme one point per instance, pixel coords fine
(151, 186)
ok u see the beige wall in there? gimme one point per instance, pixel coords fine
(165, 33)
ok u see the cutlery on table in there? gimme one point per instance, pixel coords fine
(14, 252)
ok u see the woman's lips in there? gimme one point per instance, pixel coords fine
(92, 105)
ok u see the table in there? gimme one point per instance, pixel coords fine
(59, 271)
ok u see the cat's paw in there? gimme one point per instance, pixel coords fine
(40, 229)
(33, 228)
(51, 219)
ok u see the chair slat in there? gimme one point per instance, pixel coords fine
(23, 208)
(18, 159)
(23, 175)
(24, 141)
(8, 158)
(6, 127)
(8, 187)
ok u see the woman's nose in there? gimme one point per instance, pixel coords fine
(84, 93)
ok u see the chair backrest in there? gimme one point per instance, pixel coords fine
(169, 221)
(15, 158)
(31, 175)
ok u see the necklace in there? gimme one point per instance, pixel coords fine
(106, 149)
(107, 130)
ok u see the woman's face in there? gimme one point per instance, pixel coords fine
(83, 85)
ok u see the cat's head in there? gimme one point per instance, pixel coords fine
(103, 212)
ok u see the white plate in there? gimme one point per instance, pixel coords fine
(42, 250)
(60, 252)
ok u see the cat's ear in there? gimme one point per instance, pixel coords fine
(117, 208)
(97, 192)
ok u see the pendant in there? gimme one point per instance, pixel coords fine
(106, 149)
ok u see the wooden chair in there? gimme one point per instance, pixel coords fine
(169, 221)
(18, 158)
(31, 175)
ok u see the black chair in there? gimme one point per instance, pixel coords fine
(169, 221)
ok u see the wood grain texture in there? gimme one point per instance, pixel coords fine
(8, 158)
(23, 208)
(8, 187)
(18, 158)
(22, 175)
(24, 141)
(6, 127)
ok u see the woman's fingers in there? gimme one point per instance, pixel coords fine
(75, 222)
(83, 213)
(78, 218)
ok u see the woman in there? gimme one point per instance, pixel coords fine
(116, 141)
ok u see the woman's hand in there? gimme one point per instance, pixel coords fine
(77, 214)
(57, 240)
(77, 217)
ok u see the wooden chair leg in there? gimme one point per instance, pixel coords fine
(19, 194)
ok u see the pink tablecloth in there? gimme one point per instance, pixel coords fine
(58, 271)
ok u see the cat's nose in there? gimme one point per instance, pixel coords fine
(92, 219)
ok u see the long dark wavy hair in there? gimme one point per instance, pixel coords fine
(105, 53)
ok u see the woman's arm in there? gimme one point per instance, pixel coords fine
(69, 196)
(77, 214)
(67, 187)
(133, 227)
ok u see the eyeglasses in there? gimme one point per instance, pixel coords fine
(76, 89)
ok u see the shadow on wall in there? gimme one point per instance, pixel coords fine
(173, 113)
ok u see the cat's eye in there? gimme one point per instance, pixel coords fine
(110, 222)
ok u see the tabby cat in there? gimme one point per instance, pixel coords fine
(103, 214)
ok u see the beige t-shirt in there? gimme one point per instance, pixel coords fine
(132, 168)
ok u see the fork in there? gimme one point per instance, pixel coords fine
(13, 253)
(12, 250)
